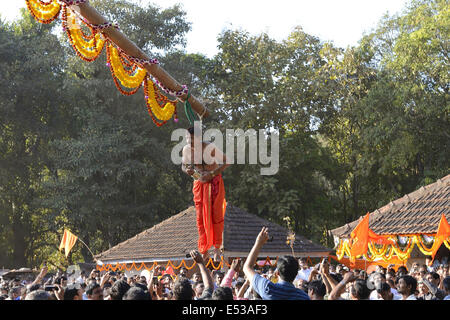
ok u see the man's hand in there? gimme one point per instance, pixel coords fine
(197, 257)
(235, 265)
(324, 267)
(263, 236)
(349, 277)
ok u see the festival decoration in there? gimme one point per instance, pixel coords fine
(89, 36)
(158, 105)
(170, 264)
(123, 70)
(87, 47)
(44, 11)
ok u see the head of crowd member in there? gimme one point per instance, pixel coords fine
(73, 293)
(359, 290)
(15, 293)
(222, 293)
(356, 273)
(136, 293)
(62, 281)
(401, 271)
(183, 272)
(183, 290)
(332, 268)
(38, 295)
(118, 290)
(422, 288)
(303, 263)
(198, 288)
(94, 292)
(218, 278)
(316, 290)
(362, 275)
(302, 285)
(406, 285)
(423, 270)
(139, 285)
(33, 287)
(384, 291)
(196, 277)
(433, 278)
(446, 284)
(238, 286)
(287, 268)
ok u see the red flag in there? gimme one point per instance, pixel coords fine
(67, 242)
(442, 234)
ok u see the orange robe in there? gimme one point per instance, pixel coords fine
(210, 206)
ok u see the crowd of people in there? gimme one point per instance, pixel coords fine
(292, 279)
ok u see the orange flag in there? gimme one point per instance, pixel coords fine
(67, 242)
(361, 236)
(442, 234)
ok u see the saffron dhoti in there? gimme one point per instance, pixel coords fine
(210, 206)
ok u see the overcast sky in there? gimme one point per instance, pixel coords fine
(341, 21)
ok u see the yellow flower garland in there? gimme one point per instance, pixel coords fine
(164, 113)
(127, 80)
(88, 49)
(44, 12)
(387, 251)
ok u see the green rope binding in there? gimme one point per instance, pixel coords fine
(188, 110)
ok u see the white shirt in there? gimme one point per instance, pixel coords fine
(303, 274)
(411, 297)
(447, 297)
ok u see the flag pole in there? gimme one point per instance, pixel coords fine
(88, 249)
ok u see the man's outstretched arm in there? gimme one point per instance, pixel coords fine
(253, 255)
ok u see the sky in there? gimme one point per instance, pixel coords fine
(342, 22)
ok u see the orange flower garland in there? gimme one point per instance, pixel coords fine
(130, 75)
(44, 12)
(87, 47)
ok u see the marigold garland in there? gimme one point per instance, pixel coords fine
(387, 251)
(131, 78)
(87, 47)
(154, 100)
(44, 12)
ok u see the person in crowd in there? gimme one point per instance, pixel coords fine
(304, 270)
(406, 286)
(432, 281)
(94, 291)
(38, 295)
(316, 290)
(136, 293)
(446, 284)
(287, 268)
(118, 290)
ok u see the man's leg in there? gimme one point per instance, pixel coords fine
(198, 200)
(218, 214)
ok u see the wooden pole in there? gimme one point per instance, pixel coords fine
(94, 17)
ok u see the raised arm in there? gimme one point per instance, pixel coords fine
(253, 255)
(206, 276)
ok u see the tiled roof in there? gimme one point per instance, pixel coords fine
(416, 213)
(175, 237)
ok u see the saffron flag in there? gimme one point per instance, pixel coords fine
(442, 234)
(361, 236)
(67, 242)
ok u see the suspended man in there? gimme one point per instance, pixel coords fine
(205, 163)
